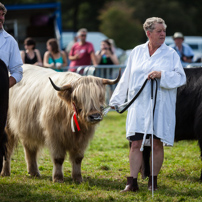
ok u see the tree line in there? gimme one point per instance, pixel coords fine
(122, 20)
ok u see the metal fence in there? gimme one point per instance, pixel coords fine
(102, 71)
(111, 72)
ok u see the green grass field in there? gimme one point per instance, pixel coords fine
(105, 168)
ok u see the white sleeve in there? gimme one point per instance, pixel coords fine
(15, 62)
(175, 78)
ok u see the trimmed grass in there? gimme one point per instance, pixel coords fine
(104, 171)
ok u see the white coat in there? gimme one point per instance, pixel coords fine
(139, 65)
(10, 54)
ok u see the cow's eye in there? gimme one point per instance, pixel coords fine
(101, 108)
(79, 110)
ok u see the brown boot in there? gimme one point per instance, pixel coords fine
(131, 185)
(150, 183)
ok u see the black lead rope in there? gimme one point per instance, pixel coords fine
(138, 93)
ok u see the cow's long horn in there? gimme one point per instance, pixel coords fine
(111, 82)
(66, 87)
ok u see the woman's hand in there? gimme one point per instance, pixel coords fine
(154, 74)
(105, 51)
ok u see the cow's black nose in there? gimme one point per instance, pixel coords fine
(95, 117)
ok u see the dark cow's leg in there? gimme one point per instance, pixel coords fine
(198, 129)
(31, 159)
(11, 143)
(4, 89)
(200, 145)
(57, 169)
(3, 140)
(58, 154)
(146, 164)
(76, 160)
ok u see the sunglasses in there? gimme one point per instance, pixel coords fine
(83, 35)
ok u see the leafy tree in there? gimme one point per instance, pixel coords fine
(81, 13)
(179, 15)
(117, 22)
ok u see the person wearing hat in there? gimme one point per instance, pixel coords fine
(184, 50)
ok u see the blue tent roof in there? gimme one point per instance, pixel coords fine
(55, 5)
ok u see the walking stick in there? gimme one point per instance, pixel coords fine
(152, 125)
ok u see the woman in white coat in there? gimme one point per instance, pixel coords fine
(152, 60)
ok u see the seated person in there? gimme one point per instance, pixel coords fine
(106, 56)
(54, 58)
(184, 50)
(31, 55)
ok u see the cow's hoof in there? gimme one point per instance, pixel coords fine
(58, 180)
(3, 173)
(34, 174)
(78, 179)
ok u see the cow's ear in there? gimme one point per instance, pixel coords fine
(66, 94)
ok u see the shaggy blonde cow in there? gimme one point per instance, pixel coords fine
(40, 114)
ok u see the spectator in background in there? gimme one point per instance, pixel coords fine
(54, 58)
(69, 46)
(113, 46)
(106, 56)
(82, 52)
(184, 50)
(31, 55)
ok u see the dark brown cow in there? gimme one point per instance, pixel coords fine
(188, 113)
(4, 88)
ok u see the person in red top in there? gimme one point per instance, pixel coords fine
(82, 52)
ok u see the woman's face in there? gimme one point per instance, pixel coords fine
(28, 47)
(104, 46)
(157, 36)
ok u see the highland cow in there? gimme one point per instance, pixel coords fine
(61, 116)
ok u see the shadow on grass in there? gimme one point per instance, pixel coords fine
(70, 191)
(184, 177)
(186, 191)
(15, 192)
(105, 184)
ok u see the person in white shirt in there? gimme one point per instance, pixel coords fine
(10, 61)
(9, 51)
(152, 60)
